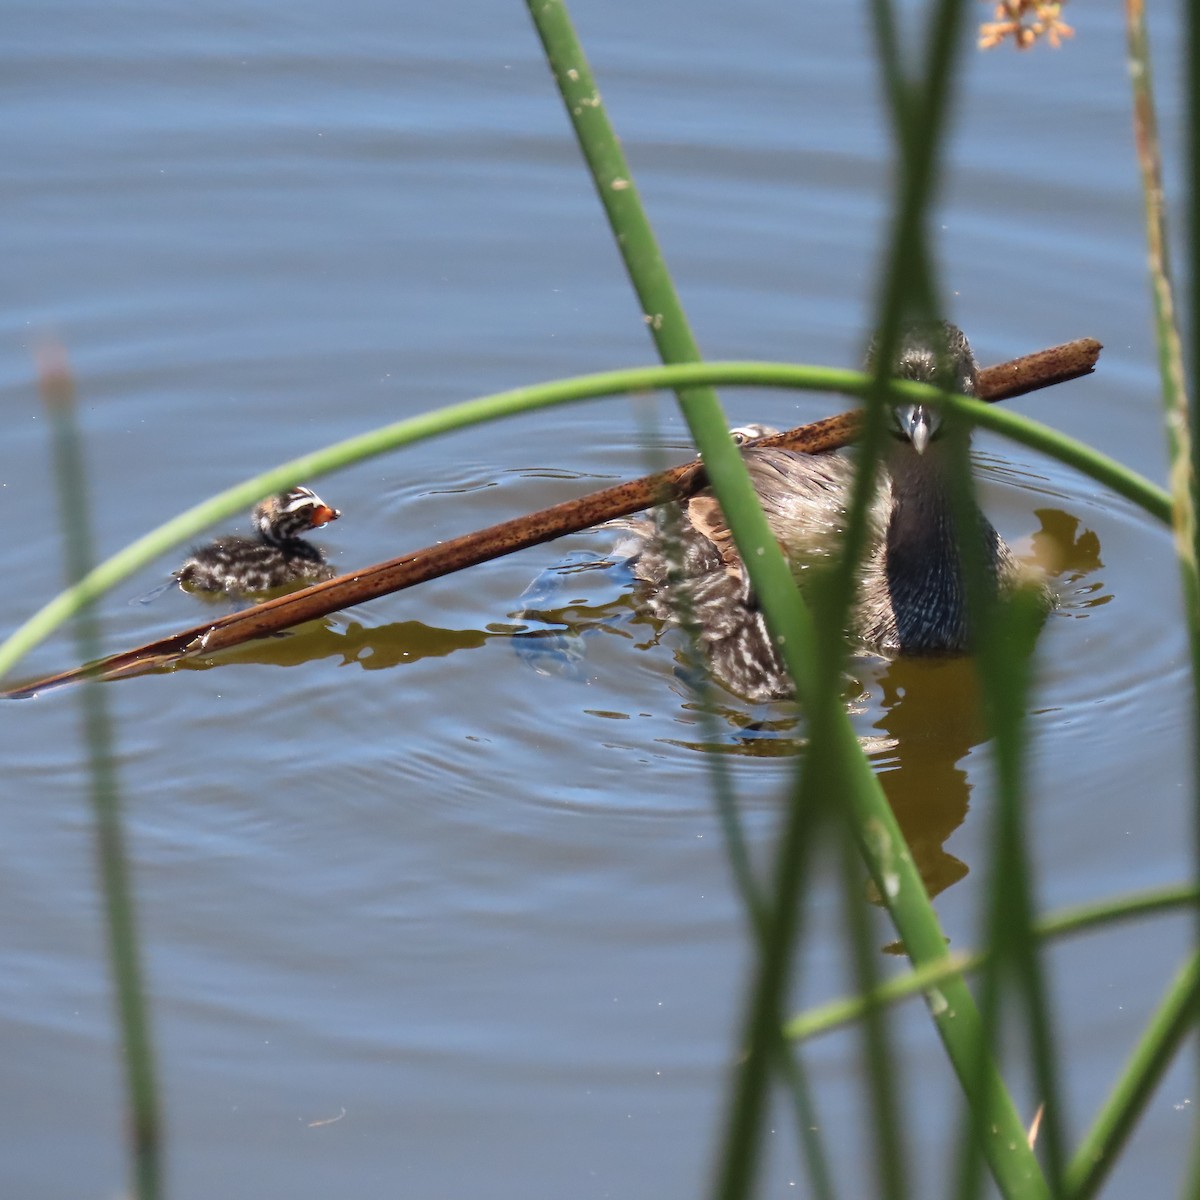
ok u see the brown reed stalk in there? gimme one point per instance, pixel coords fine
(1001, 382)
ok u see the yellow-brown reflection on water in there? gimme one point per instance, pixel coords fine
(928, 720)
(372, 647)
(931, 721)
(926, 712)
(1064, 551)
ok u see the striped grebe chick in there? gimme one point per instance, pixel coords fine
(277, 557)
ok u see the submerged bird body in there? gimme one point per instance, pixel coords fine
(276, 558)
(912, 595)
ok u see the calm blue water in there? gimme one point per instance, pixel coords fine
(389, 873)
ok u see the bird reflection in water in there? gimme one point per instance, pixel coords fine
(919, 719)
(920, 762)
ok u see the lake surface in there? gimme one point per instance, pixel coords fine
(424, 915)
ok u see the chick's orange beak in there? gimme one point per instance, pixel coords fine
(323, 514)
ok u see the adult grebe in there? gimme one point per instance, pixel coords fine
(912, 596)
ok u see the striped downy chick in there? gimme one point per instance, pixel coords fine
(277, 557)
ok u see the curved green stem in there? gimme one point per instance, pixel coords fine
(1170, 1023)
(834, 1014)
(188, 524)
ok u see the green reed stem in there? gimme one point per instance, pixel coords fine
(1182, 448)
(144, 1122)
(1008, 630)
(661, 308)
(877, 1055)
(1168, 1026)
(1191, 89)
(896, 87)
(791, 1069)
(1005, 632)
(906, 287)
(1166, 329)
(786, 1060)
(919, 116)
(1191, 1186)
(187, 525)
(835, 1014)
(662, 311)
(1191, 67)
(919, 111)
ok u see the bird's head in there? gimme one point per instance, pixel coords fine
(284, 517)
(933, 352)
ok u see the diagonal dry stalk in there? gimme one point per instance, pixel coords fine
(1002, 382)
